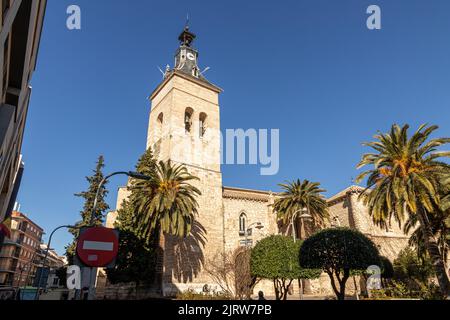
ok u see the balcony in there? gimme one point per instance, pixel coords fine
(5, 268)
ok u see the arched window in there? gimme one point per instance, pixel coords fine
(195, 72)
(188, 119)
(159, 125)
(242, 224)
(202, 124)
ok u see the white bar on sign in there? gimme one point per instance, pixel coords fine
(97, 245)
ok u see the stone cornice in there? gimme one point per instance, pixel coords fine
(174, 73)
(247, 194)
(258, 195)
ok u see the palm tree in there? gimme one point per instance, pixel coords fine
(445, 203)
(299, 195)
(407, 178)
(440, 229)
(167, 203)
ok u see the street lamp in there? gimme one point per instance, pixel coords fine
(307, 216)
(258, 225)
(36, 297)
(131, 174)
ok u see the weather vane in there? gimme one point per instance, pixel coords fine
(187, 21)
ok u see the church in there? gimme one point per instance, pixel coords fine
(184, 127)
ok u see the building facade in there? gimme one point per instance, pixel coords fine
(19, 254)
(21, 24)
(184, 127)
(53, 263)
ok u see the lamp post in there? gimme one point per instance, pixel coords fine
(305, 215)
(258, 225)
(131, 174)
(36, 297)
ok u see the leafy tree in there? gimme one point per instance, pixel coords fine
(89, 196)
(387, 269)
(412, 269)
(277, 258)
(137, 256)
(439, 228)
(406, 177)
(299, 195)
(166, 203)
(338, 252)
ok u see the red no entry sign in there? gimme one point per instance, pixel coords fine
(98, 246)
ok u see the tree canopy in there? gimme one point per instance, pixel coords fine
(277, 258)
(89, 196)
(410, 267)
(337, 252)
(299, 195)
(167, 202)
(407, 176)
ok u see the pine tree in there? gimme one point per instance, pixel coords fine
(89, 196)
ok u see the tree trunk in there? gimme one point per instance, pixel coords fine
(343, 282)
(333, 285)
(277, 290)
(286, 288)
(300, 288)
(433, 251)
(136, 285)
(340, 293)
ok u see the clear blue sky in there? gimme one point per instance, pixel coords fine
(310, 68)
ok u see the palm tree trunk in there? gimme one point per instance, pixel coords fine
(435, 255)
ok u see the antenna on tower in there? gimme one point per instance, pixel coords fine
(162, 72)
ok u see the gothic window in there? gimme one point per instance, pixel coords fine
(188, 119)
(202, 126)
(242, 224)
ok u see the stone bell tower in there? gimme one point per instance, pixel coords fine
(185, 128)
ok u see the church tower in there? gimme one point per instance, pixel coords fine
(184, 119)
(185, 128)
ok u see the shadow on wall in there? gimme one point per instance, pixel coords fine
(184, 258)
